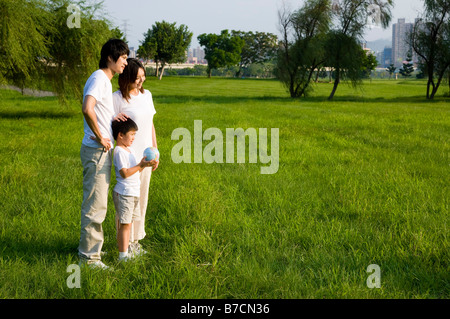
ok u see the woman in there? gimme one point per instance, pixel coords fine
(132, 100)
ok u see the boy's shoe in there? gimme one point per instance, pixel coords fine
(126, 258)
(136, 250)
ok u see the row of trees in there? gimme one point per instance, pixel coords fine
(39, 43)
(165, 43)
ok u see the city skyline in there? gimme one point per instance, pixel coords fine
(209, 16)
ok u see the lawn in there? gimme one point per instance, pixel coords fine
(362, 180)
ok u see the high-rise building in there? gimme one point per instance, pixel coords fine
(387, 57)
(400, 46)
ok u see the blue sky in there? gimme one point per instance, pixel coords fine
(212, 16)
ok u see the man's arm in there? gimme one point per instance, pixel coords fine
(91, 120)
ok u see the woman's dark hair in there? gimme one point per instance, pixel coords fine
(114, 48)
(123, 127)
(129, 76)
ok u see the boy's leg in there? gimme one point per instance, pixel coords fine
(96, 179)
(126, 207)
(123, 237)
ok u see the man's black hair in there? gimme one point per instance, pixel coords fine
(123, 127)
(114, 48)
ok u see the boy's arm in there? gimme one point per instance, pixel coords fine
(91, 120)
(127, 172)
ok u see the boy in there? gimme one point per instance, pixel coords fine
(95, 152)
(127, 190)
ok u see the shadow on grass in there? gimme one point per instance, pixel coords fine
(16, 115)
(174, 99)
(30, 249)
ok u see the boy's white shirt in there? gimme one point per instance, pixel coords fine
(99, 86)
(129, 186)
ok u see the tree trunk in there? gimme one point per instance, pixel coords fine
(336, 83)
(163, 65)
(157, 69)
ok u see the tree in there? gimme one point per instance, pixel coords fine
(167, 43)
(430, 39)
(258, 48)
(346, 57)
(23, 42)
(223, 50)
(391, 69)
(74, 52)
(301, 50)
(369, 64)
(351, 18)
(147, 49)
(407, 67)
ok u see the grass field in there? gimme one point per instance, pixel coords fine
(362, 180)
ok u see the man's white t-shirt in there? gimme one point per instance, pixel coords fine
(141, 110)
(131, 185)
(99, 86)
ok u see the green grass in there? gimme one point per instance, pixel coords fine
(362, 180)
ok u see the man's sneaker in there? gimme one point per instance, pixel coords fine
(94, 264)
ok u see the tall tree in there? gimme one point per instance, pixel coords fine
(223, 50)
(350, 21)
(258, 48)
(171, 43)
(301, 50)
(166, 43)
(430, 39)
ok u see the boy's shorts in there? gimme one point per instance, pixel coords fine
(127, 208)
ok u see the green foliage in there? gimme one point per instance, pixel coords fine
(345, 56)
(37, 44)
(75, 52)
(165, 43)
(258, 48)
(23, 41)
(221, 50)
(407, 67)
(369, 64)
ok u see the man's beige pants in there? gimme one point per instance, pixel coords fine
(96, 178)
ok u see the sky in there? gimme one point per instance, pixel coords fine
(212, 16)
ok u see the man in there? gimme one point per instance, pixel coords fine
(95, 152)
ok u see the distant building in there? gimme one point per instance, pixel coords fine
(132, 53)
(196, 56)
(387, 57)
(400, 47)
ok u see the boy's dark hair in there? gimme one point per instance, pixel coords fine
(114, 48)
(129, 76)
(123, 127)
